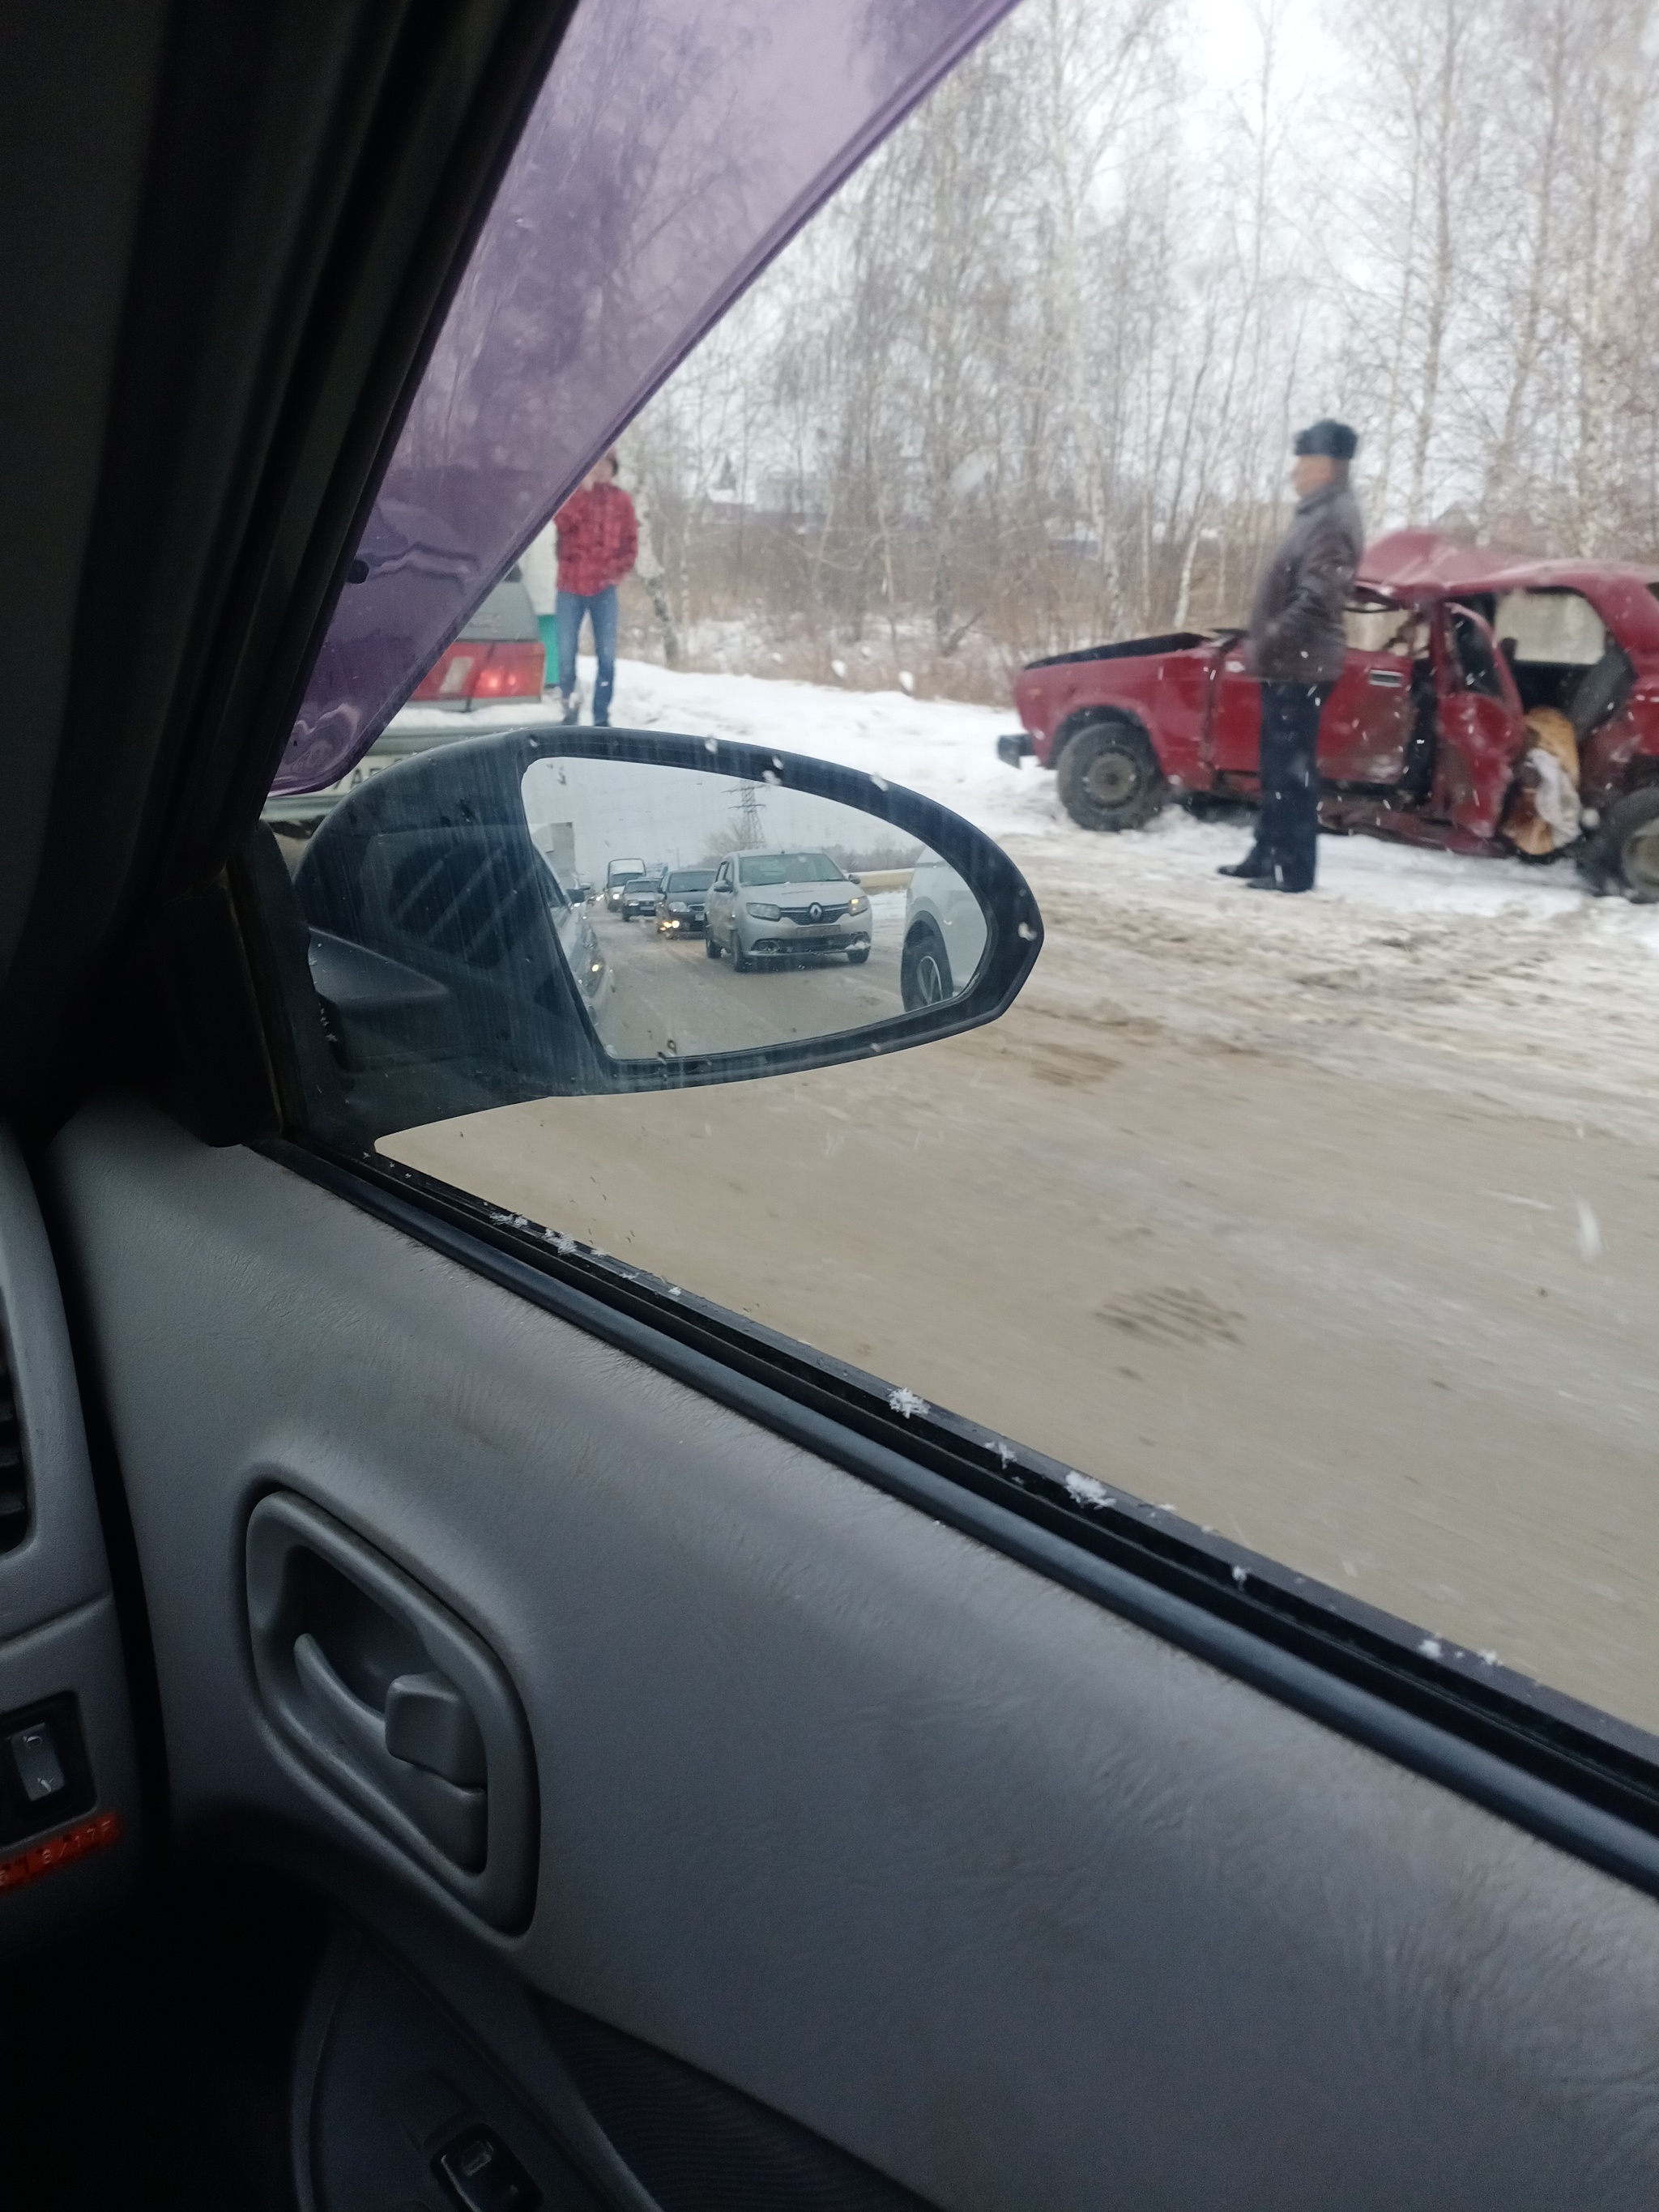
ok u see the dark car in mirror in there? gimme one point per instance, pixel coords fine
(639, 900)
(683, 903)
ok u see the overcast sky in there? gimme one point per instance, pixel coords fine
(634, 810)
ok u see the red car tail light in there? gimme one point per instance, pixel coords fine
(466, 670)
(451, 674)
(512, 671)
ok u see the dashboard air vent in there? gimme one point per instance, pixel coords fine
(13, 1475)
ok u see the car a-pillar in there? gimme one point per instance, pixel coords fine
(1108, 773)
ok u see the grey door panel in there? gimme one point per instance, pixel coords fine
(388, 2095)
(386, 2088)
(60, 1562)
(70, 1817)
(392, 1703)
(1015, 1902)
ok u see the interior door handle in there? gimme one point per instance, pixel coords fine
(428, 1722)
(455, 1818)
(390, 1703)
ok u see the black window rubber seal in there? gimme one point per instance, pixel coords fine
(1562, 1770)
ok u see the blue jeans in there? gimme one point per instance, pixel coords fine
(600, 607)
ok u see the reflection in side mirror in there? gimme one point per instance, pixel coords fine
(773, 917)
(553, 912)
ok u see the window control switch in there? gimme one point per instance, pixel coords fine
(482, 2175)
(46, 1778)
(39, 1769)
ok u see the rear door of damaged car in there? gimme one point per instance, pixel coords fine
(1365, 728)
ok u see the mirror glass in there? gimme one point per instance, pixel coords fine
(706, 914)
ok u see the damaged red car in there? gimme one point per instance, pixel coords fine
(1489, 704)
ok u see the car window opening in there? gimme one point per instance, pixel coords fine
(1328, 1219)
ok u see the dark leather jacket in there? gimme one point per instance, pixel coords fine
(1296, 633)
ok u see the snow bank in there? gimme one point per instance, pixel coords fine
(948, 750)
(934, 745)
(1492, 977)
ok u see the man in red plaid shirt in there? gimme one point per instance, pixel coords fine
(599, 543)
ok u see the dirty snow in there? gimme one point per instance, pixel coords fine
(1500, 978)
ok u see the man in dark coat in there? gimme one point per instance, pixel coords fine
(1296, 647)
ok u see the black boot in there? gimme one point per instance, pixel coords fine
(1255, 867)
(572, 709)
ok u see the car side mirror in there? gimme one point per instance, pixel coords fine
(775, 913)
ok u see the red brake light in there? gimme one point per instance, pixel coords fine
(464, 672)
(447, 676)
(512, 671)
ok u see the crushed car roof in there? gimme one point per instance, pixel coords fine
(1422, 564)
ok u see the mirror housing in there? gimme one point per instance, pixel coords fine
(450, 966)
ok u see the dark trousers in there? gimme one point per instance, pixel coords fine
(601, 610)
(1287, 827)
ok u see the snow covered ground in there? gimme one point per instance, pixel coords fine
(934, 745)
(948, 750)
(1334, 1219)
(1493, 976)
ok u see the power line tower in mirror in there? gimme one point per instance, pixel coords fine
(746, 808)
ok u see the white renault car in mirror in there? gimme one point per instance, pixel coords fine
(773, 909)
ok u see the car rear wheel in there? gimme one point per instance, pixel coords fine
(1625, 851)
(1109, 778)
(923, 969)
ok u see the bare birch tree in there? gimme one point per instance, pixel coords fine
(1028, 381)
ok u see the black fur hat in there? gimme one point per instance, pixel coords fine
(1326, 437)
